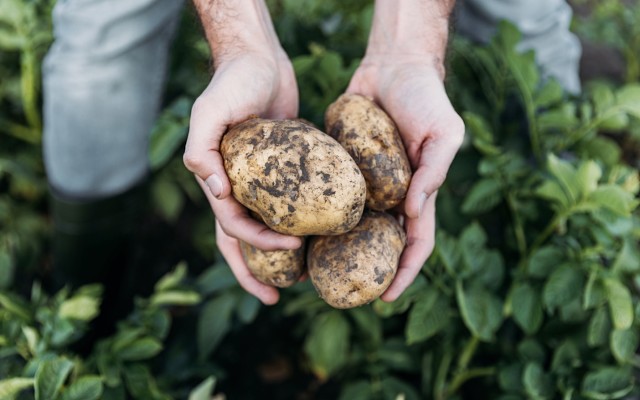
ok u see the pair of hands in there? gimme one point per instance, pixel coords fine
(409, 89)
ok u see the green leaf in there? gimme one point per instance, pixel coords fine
(83, 308)
(564, 285)
(483, 196)
(552, 191)
(617, 122)
(544, 260)
(566, 358)
(32, 338)
(169, 133)
(50, 377)
(481, 310)
(599, 328)
(394, 354)
(10, 387)
(507, 37)
(204, 390)
(248, 308)
(624, 344)
(166, 138)
(490, 269)
(587, 176)
(602, 96)
(628, 256)
(474, 253)
(563, 117)
(173, 278)
(614, 198)
(607, 383)
(603, 149)
(481, 134)
(429, 315)
(15, 306)
(628, 98)
(359, 390)
(142, 384)
(85, 388)
(368, 325)
(549, 94)
(620, 304)
(536, 383)
(530, 350)
(510, 377)
(594, 293)
(327, 344)
(167, 198)
(402, 303)
(216, 278)
(176, 298)
(477, 126)
(214, 323)
(125, 337)
(449, 252)
(566, 175)
(140, 349)
(394, 388)
(6, 269)
(303, 64)
(527, 307)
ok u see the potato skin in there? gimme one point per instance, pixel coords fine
(355, 268)
(279, 268)
(372, 139)
(299, 180)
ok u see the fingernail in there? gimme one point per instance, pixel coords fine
(215, 185)
(423, 200)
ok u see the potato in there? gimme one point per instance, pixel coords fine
(279, 268)
(355, 268)
(299, 180)
(372, 139)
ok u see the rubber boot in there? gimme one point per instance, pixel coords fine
(95, 242)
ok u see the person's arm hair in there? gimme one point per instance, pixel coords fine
(233, 27)
(411, 28)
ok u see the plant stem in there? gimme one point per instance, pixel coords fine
(517, 226)
(467, 353)
(529, 107)
(21, 132)
(547, 231)
(30, 84)
(461, 378)
(440, 385)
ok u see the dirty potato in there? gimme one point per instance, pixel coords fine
(279, 268)
(355, 268)
(372, 139)
(299, 180)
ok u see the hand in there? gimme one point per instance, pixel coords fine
(249, 83)
(410, 89)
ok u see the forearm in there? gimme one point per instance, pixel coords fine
(411, 28)
(235, 27)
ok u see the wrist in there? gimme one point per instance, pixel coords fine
(234, 28)
(410, 29)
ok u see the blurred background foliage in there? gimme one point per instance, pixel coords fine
(532, 291)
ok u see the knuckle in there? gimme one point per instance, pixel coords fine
(193, 162)
(457, 130)
(198, 106)
(439, 177)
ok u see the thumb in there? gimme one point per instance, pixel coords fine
(202, 153)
